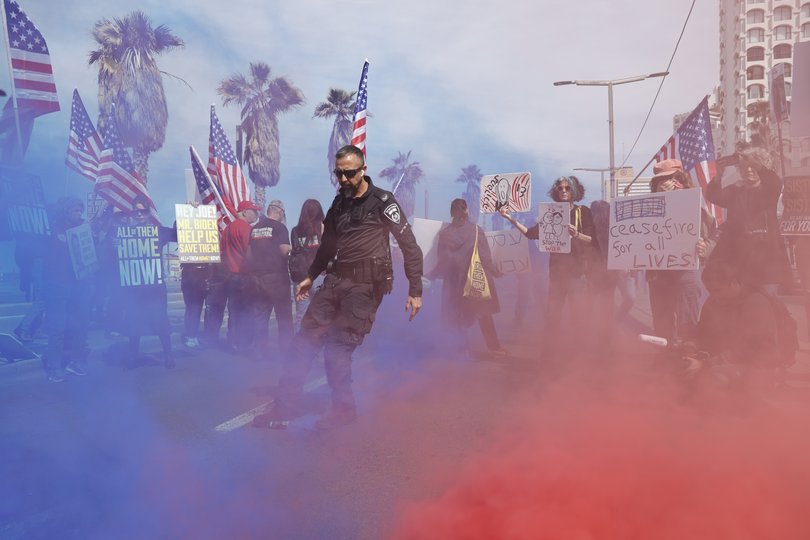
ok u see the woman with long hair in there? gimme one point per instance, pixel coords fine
(568, 272)
(306, 239)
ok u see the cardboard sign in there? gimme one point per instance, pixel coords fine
(510, 251)
(658, 231)
(778, 101)
(197, 233)
(82, 251)
(22, 204)
(139, 261)
(553, 224)
(426, 232)
(95, 205)
(795, 220)
(513, 190)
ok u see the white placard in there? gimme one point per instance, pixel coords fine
(426, 232)
(511, 189)
(553, 223)
(82, 250)
(510, 251)
(659, 231)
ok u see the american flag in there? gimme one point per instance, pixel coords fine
(208, 190)
(359, 133)
(693, 145)
(34, 86)
(84, 146)
(117, 180)
(224, 169)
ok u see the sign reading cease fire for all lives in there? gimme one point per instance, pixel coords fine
(197, 233)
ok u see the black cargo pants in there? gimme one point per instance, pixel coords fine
(339, 316)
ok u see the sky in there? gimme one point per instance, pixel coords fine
(454, 82)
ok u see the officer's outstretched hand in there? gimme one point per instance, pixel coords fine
(302, 289)
(414, 304)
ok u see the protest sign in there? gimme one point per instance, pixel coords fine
(95, 205)
(22, 204)
(795, 220)
(138, 250)
(655, 232)
(82, 250)
(554, 220)
(510, 251)
(513, 190)
(426, 232)
(197, 233)
(778, 101)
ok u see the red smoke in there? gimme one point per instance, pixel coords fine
(634, 464)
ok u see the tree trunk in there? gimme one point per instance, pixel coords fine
(259, 195)
(140, 159)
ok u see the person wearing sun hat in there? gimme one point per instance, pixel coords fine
(676, 296)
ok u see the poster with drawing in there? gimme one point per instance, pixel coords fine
(426, 232)
(510, 251)
(513, 190)
(553, 224)
(656, 231)
(82, 250)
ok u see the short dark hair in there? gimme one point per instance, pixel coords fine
(457, 208)
(577, 189)
(350, 149)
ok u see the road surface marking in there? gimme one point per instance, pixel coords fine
(247, 417)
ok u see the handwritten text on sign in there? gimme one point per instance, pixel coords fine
(139, 261)
(514, 190)
(553, 225)
(510, 251)
(655, 232)
(197, 233)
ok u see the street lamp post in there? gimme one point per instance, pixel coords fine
(601, 172)
(610, 84)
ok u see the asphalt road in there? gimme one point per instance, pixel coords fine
(153, 453)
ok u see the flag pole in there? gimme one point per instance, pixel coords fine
(11, 79)
(211, 183)
(644, 168)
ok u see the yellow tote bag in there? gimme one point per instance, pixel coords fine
(476, 286)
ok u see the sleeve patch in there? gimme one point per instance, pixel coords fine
(392, 212)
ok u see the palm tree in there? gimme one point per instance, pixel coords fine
(128, 76)
(471, 178)
(262, 98)
(340, 104)
(404, 176)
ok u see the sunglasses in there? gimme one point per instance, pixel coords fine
(348, 173)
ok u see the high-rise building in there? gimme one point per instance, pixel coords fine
(755, 36)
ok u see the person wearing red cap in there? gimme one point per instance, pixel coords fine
(676, 296)
(235, 245)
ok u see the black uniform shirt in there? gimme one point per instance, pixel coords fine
(356, 230)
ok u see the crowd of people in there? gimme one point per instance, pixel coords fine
(727, 308)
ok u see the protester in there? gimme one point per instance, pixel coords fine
(235, 253)
(146, 305)
(194, 279)
(267, 265)
(67, 299)
(676, 296)
(342, 311)
(455, 249)
(750, 237)
(29, 254)
(215, 302)
(568, 272)
(306, 239)
(275, 210)
(109, 301)
(741, 328)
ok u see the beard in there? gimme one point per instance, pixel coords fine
(348, 190)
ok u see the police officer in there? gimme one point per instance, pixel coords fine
(355, 252)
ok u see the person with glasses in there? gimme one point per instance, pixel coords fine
(355, 253)
(568, 272)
